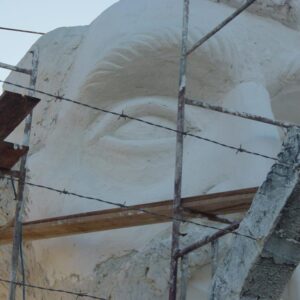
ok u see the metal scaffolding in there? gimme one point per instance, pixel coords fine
(176, 253)
(178, 210)
(17, 116)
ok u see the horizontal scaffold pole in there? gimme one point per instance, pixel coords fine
(14, 68)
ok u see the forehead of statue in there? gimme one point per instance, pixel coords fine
(130, 21)
(150, 22)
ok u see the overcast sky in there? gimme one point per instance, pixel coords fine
(41, 16)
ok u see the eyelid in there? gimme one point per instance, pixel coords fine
(141, 108)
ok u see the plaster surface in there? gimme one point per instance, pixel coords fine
(127, 60)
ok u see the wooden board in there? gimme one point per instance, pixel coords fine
(10, 154)
(219, 203)
(13, 110)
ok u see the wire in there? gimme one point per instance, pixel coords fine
(123, 115)
(51, 289)
(122, 205)
(22, 30)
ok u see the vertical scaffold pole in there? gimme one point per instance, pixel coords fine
(214, 256)
(179, 155)
(184, 268)
(17, 238)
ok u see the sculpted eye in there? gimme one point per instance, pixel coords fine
(157, 110)
(142, 82)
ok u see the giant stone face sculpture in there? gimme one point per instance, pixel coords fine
(127, 60)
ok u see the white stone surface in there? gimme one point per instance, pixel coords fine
(127, 60)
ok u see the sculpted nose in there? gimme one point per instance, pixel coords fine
(250, 97)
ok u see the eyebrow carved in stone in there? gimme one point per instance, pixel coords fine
(147, 65)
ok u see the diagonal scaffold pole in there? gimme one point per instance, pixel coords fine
(208, 239)
(17, 236)
(220, 26)
(179, 155)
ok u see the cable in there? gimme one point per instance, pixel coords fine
(52, 290)
(22, 30)
(122, 205)
(122, 115)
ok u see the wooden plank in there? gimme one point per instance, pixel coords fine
(10, 154)
(13, 110)
(218, 203)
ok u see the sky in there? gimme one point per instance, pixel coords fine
(42, 16)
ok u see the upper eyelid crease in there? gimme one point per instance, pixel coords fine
(127, 65)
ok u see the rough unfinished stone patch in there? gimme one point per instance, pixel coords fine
(259, 266)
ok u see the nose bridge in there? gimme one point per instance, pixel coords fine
(248, 97)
